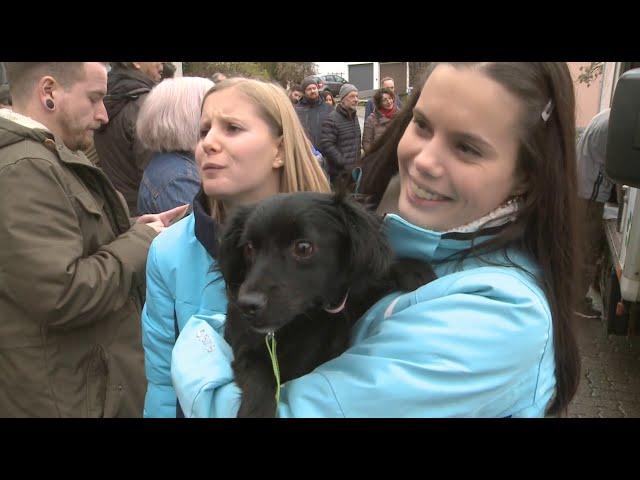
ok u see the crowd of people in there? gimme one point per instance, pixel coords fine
(118, 180)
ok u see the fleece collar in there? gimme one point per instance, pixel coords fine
(22, 120)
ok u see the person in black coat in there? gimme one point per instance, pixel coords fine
(312, 110)
(341, 137)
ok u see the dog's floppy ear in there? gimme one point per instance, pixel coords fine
(231, 260)
(370, 253)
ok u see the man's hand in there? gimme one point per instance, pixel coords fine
(160, 221)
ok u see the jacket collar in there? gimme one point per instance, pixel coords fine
(411, 241)
(306, 101)
(41, 133)
(22, 120)
(205, 227)
(345, 111)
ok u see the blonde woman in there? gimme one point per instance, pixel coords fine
(251, 146)
(168, 126)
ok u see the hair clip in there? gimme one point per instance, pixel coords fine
(546, 113)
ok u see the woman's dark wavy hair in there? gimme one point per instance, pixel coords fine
(546, 225)
(377, 97)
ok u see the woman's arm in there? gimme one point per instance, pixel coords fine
(474, 347)
(158, 338)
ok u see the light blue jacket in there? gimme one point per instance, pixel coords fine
(181, 282)
(476, 342)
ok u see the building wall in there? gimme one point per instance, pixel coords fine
(587, 98)
(178, 66)
(333, 68)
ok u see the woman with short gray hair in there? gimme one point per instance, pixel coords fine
(168, 126)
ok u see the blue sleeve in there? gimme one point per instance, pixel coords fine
(201, 370)
(368, 109)
(471, 352)
(180, 191)
(146, 203)
(158, 337)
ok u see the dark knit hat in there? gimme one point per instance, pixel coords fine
(346, 89)
(308, 81)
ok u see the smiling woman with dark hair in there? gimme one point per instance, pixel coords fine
(485, 158)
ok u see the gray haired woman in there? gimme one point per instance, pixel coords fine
(168, 125)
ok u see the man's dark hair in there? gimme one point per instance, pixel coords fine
(126, 65)
(168, 70)
(23, 75)
(296, 88)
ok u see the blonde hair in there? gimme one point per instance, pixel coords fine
(170, 115)
(301, 171)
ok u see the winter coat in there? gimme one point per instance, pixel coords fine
(370, 107)
(341, 141)
(170, 180)
(591, 151)
(72, 272)
(475, 342)
(374, 126)
(181, 281)
(312, 115)
(122, 156)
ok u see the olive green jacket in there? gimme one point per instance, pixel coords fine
(72, 273)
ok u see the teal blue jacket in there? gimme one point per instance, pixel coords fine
(182, 281)
(476, 342)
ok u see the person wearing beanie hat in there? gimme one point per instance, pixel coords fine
(341, 136)
(309, 81)
(346, 89)
(312, 110)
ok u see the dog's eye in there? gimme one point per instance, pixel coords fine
(303, 249)
(249, 251)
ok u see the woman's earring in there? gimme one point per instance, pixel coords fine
(49, 103)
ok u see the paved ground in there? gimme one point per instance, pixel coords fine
(610, 379)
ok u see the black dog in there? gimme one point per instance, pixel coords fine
(305, 266)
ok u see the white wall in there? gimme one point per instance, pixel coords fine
(325, 68)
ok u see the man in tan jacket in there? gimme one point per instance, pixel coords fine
(72, 262)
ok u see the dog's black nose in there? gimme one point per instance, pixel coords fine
(252, 303)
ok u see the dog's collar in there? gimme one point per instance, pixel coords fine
(341, 307)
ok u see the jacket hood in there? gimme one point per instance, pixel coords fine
(15, 128)
(123, 86)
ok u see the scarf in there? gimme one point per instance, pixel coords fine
(390, 112)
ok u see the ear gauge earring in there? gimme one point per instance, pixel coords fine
(49, 103)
